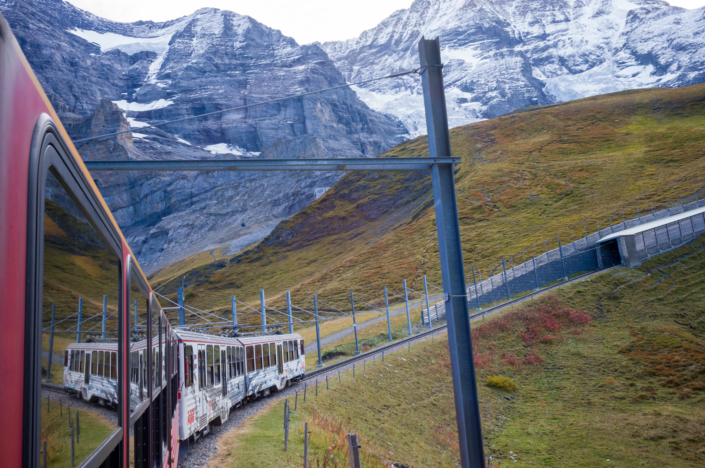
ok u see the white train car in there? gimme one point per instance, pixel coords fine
(218, 373)
(91, 370)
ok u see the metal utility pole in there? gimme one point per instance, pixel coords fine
(105, 314)
(80, 319)
(233, 305)
(386, 303)
(352, 304)
(264, 311)
(560, 251)
(467, 409)
(180, 299)
(506, 281)
(428, 307)
(288, 309)
(318, 332)
(406, 301)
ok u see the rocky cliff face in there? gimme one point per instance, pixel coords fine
(103, 76)
(500, 55)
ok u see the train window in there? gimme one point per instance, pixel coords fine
(201, 368)
(285, 351)
(216, 365)
(138, 320)
(156, 354)
(100, 363)
(209, 365)
(113, 366)
(94, 363)
(273, 354)
(258, 356)
(80, 281)
(296, 350)
(188, 365)
(291, 350)
(265, 356)
(301, 347)
(250, 359)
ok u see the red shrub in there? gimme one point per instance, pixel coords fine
(511, 360)
(533, 358)
(547, 339)
(578, 317)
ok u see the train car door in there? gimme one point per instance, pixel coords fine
(280, 361)
(88, 368)
(201, 398)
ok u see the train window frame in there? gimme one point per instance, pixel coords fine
(188, 366)
(143, 371)
(250, 359)
(216, 365)
(209, 365)
(49, 154)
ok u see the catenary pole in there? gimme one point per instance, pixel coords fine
(233, 307)
(264, 311)
(428, 307)
(105, 314)
(180, 298)
(352, 304)
(450, 250)
(80, 319)
(406, 301)
(288, 309)
(318, 332)
(386, 303)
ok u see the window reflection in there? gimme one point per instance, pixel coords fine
(138, 319)
(79, 333)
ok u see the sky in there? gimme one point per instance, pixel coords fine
(305, 20)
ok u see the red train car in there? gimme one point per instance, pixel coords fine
(68, 277)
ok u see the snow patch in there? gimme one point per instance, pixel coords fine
(129, 45)
(224, 148)
(136, 123)
(139, 107)
(181, 140)
(139, 136)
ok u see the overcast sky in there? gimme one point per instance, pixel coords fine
(304, 20)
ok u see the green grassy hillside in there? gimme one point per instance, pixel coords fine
(523, 178)
(608, 372)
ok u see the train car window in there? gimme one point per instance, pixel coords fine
(100, 364)
(296, 350)
(291, 351)
(285, 351)
(216, 365)
(201, 368)
(188, 365)
(113, 366)
(265, 355)
(156, 374)
(209, 365)
(138, 320)
(66, 358)
(94, 363)
(301, 347)
(272, 354)
(258, 357)
(80, 281)
(250, 359)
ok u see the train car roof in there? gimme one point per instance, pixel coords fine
(98, 346)
(193, 336)
(266, 338)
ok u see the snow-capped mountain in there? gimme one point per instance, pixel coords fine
(102, 75)
(500, 55)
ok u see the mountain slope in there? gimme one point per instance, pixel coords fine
(208, 61)
(504, 55)
(524, 178)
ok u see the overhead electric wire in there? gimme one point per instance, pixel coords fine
(247, 106)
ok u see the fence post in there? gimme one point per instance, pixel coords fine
(386, 303)
(585, 229)
(51, 340)
(428, 307)
(288, 309)
(296, 400)
(318, 332)
(73, 451)
(264, 311)
(316, 387)
(406, 302)
(560, 250)
(78, 428)
(536, 275)
(306, 445)
(44, 455)
(354, 451)
(475, 282)
(327, 388)
(305, 387)
(180, 299)
(286, 425)
(352, 304)
(624, 223)
(233, 306)
(653, 216)
(80, 319)
(506, 283)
